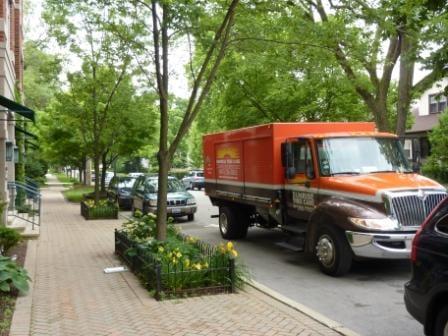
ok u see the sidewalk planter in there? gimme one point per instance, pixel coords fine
(191, 268)
(103, 210)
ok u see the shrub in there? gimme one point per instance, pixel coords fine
(8, 239)
(185, 262)
(12, 276)
(104, 209)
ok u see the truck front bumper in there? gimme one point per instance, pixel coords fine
(380, 245)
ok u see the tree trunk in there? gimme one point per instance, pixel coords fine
(380, 114)
(404, 84)
(164, 166)
(103, 172)
(96, 165)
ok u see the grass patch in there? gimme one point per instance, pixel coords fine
(76, 193)
(64, 178)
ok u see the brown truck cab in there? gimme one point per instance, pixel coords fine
(344, 189)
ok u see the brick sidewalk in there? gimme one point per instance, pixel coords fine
(72, 296)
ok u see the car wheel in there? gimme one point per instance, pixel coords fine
(229, 225)
(190, 217)
(441, 325)
(332, 251)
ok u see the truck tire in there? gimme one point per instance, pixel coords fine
(441, 325)
(229, 224)
(332, 251)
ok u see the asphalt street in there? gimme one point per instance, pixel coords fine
(368, 300)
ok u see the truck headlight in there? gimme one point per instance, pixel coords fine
(375, 223)
(191, 201)
(153, 202)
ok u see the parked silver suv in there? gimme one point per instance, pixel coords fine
(194, 179)
(179, 201)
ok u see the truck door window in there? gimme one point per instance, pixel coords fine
(302, 158)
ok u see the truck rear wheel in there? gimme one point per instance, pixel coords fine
(230, 224)
(332, 251)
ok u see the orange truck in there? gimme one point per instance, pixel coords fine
(342, 190)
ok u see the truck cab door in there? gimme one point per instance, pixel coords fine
(300, 179)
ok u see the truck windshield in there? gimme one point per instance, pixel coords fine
(361, 155)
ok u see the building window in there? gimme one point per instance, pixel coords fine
(437, 103)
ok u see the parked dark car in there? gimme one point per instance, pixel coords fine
(194, 179)
(179, 201)
(426, 295)
(120, 190)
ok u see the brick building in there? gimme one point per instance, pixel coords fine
(11, 88)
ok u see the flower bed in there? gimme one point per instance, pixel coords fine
(103, 210)
(181, 265)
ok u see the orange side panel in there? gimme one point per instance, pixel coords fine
(258, 156)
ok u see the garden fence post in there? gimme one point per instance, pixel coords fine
(232, 274)
(158, 281)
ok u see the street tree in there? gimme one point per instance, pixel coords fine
(367, 39)
(82, 27)
(169, 21)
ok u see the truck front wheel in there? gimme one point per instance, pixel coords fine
(229, 224)
(332, 251)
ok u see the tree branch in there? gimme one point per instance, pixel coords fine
(193, 104)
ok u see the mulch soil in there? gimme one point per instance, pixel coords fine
(7, 301)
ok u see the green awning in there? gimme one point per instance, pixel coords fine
(16, 107)
(21, 130)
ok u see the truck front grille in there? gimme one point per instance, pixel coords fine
(411, 209)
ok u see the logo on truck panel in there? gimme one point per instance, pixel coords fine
(228, 161)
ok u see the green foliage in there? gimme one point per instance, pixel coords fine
(270, 75)
(35, 166)
(63, 178)
(12, 276)
(41, 75)
(8, 239)
(436, 165)
(7, 303)
(77, 193)
(103, 209)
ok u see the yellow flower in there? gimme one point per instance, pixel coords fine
(178, 254)
(197, 266)
(229, 246)
(161, 249)
(187, 262)
(234, 253)
(174, 261)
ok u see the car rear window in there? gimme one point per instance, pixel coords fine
(442, 225)
(201, 174)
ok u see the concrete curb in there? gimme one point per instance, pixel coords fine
(336, 326)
